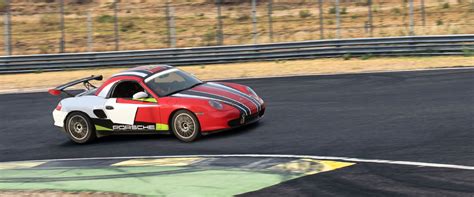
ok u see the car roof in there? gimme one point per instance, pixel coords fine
(144, 71)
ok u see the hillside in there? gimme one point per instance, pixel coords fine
(142, 23)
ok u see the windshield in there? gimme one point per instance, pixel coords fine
(171, 81)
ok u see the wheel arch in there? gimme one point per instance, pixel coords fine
(170, 117)
(81, 112)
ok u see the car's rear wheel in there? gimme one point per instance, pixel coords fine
(185, 126)
(80, 128)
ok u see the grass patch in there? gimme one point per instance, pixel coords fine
(105, 19)
(468, 52)
(304, 13)
(346, 56)
(366, 56)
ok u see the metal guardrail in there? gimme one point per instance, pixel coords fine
(391, 46)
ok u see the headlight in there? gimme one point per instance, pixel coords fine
(216, 105)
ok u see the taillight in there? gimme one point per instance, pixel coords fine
(54, 92)
(58, 107)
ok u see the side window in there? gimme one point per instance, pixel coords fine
(126, 89)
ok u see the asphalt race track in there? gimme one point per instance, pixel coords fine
(422, 116)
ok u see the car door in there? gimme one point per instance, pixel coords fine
(128, 114)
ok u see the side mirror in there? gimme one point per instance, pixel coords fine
(140, 95)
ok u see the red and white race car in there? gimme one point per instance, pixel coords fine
(154, 99)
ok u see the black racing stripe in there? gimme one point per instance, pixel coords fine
(235, 91)
(197, 93)
(242, 111)
(152, 73)
(215, 96)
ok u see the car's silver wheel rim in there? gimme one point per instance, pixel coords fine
(78, 127)
(184, 125)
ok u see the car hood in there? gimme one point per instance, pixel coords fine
(216, 91)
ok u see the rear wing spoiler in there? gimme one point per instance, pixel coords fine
(61, 89)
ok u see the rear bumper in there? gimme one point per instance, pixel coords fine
(59, 117)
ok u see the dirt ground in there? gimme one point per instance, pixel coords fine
(142, 23)
(41, 81)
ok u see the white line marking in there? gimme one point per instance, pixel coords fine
(36, 90)
(348, 159)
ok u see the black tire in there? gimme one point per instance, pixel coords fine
(185, 126)
(80, 128)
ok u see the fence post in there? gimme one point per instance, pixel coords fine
(90, 32)
(61, 26)
(220, 34)
(412, 20)
(116, 29)
(370, 25)
(270, 20)
(7, 30)
(423, 14)
(338, 21)
(254, 20)
(321, 20)
(170, 25)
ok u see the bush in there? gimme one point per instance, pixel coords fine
(362, 3)
(366, 56)
(468, 52)
(127, 26)
(446, 5)
(341, 11)
(45, 49)
(243, 17)
(439, 22)
(304, 13)
(49, 20)
(346, 56)
(209, 36)
(344, 11)
(81, 1)
(3, 6)
(105, 19)
(396, 11)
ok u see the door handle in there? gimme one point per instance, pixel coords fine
(108, 107)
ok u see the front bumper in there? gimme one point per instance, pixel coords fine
(244, 120)
(221, 121)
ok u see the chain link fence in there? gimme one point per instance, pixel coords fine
(67, 26)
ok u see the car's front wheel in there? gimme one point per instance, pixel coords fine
(185, 126)
(80, 128)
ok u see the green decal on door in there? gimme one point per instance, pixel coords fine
(101, 128)
(151, 100)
